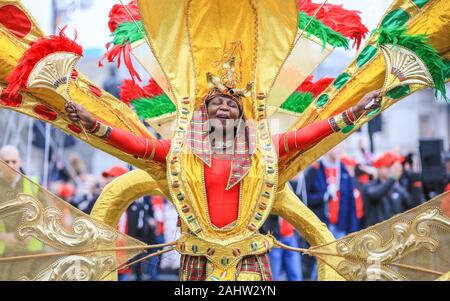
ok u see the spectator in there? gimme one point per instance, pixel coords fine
(280, 259)
(411, 178)
(330, 194)
(86, 202)
(78, 171)
(134, 223)
(385, 197)
(59, 171)
(447, 168)
(11, 156)
(351, 166)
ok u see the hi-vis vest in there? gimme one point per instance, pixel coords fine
(33, 245)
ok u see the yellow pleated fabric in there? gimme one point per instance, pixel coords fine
(191, 38)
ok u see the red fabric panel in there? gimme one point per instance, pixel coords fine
(15, 20)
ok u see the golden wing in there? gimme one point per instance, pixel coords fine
(43, 238)
(414, 245)
(48, 106)
(368, 71)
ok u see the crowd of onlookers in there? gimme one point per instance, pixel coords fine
(349, 195)
(346, 194)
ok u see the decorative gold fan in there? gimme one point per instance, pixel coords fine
(53, 72)
(403, 67)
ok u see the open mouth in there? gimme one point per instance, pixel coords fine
(222, 116)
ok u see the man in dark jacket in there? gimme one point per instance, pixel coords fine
(385, 197)
(329, 189)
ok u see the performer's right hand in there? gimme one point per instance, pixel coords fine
(77, 113)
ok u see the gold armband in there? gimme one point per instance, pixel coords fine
(340, 122)
(101, 130)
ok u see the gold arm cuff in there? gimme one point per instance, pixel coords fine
(340, 122)
(286, 145)
(152, 156)
(103, 131)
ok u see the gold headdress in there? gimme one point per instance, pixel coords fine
(230, 78)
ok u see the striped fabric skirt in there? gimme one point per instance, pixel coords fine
(251, 268)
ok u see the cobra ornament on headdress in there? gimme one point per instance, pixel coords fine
(227, 84)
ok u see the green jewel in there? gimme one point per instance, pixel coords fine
(348, 129)
(341, 80)
(323, 99)
(420, 3)
(366, 55)
(396, 18)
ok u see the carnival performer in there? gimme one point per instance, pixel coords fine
(223, 113)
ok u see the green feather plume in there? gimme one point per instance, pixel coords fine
(420, 45)
(128, 32)
(322, 32)
(147, 108)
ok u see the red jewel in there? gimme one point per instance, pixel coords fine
(45, 112)
(15, 21)
(185, 208)
(74, 128)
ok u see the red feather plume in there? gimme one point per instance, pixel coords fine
(130, 91)
(346, 22)
(17, 79)
(116, 53)
(119, 14)
(315, 88)
(153, 88)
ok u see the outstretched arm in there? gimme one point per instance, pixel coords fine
(304, 138)
(146, 148)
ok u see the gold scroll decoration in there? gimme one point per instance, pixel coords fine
(410, 246)
(44, 238)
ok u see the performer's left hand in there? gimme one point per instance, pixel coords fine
(361, 107)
